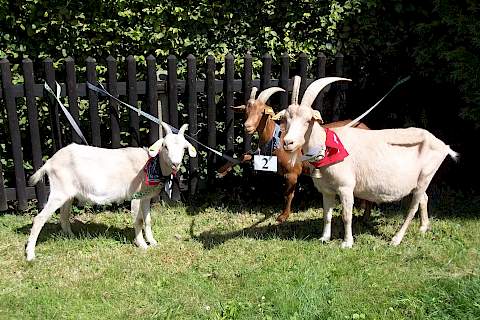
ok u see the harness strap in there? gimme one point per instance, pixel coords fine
(272, 144)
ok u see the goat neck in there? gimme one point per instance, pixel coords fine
(164, 164)
(266, 129)
(314, 137)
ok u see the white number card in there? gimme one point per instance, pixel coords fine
(265, 163)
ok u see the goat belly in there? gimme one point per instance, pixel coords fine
(387, 178)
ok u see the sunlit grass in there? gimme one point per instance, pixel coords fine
(224, 263)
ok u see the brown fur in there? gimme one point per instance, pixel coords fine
(257, 120)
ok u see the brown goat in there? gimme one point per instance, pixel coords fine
(259, 118)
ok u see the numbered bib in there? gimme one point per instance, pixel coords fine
(265, 163)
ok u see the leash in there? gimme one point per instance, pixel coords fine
(102, 90)
(65, 111)
(354, 121)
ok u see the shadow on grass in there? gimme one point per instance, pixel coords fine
(310, 229)
(81, 230)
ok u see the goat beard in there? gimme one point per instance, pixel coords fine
(292, 158)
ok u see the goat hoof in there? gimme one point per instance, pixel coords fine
(153, 243)
(424, 229)
(346, 244)
(324, 239)
(281, 219)
(69, 234)
(395, 241)
(142, 245)
(30, 257)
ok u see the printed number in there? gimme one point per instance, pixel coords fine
(265, 165)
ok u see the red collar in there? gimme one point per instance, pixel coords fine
(335, 151)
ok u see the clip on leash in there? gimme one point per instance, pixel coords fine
(65, 111)
(102, 90)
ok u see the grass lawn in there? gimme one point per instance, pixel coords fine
(230, 263)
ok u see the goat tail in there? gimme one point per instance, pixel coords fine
(455, 155)
(37, 176)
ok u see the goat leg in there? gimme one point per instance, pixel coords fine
(289, 193)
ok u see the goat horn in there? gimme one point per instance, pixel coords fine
(238, 108)
(182, 129)
(267, 93)
(296, 89)
(166, 127)
(315, 87)
(253, 93)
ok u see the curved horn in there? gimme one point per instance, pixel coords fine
(182, 129)
(238, 108)
(296, 89)
(166, 127)
(267, 93)
(253, 93)
(315, 87)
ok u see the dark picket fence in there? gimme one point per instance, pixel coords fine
(149, 92)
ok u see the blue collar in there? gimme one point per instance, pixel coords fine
(273, 144)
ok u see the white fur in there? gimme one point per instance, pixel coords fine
(382, 166)
(104, 176)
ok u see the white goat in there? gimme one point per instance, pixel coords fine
(104, 176)
(382, 165)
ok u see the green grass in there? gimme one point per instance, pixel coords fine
(223, 263)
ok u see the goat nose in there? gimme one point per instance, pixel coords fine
(287, 143)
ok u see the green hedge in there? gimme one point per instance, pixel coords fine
(41, 28)
(436, 41)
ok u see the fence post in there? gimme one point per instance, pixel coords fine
(228, 91)
(113, 89)
(29, 81)
(132, 100)
(14, 129)
(72, 95)
(302, 72)
(247, 89)
(172, 90)
(53, 107)
(320, 73)
(284, 76)
(3, 196)
(339, 94)
(266, 71)
(211, 117)
(93, 102)
(191, 89)
(152, 97)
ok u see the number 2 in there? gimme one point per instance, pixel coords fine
(265, 165)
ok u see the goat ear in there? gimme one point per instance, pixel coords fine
(239, 108)
(317, 116)
(155, 148)
(192, 152)
(280, 115)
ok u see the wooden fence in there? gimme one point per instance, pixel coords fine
(151, 92)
